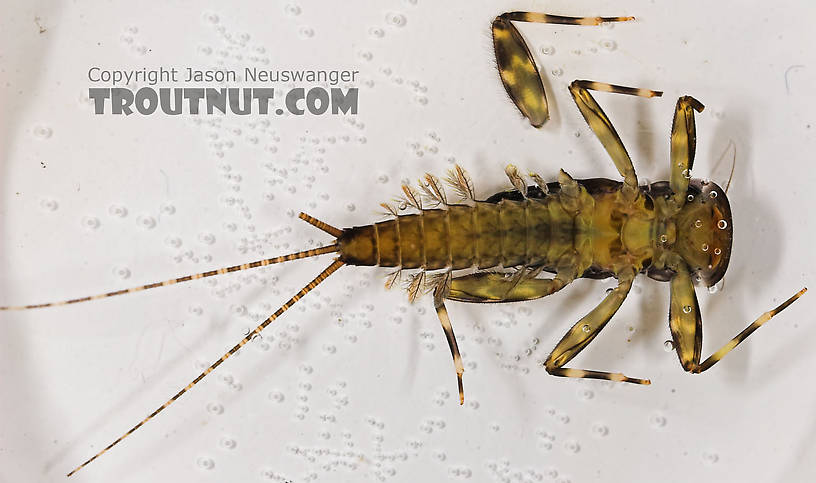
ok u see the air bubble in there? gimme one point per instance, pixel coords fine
(586, 394)
(42, 132)
(698, 223)
(713, 194)
(215, 408)
(687, 174)
(276, 396)
(704, 247)
(657, 421)
(90, 222)
(558, 72)
(228, 443)
(609, 44)
(668, 346)
(376, 32)
(722, 224)
(118, 211)
(292, 9)
(710, 458)
(382, 178)
(600, 430)
(717, 251)
(664, 238)
(205, 463)
(121, 272)
(547, 50)
(49, 204)
(690, 198)
(572, 446)
(687, 309)
(211, 18)
(396, 19)
(146, 222)
(306, 32)
(585, 328)
(167, 209)
(206, 238)
(173, 241)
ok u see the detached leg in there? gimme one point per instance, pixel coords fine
(687, 326)
(517, 68)
(583, 332)
(602, 127)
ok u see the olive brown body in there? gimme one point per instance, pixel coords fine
(594, 229)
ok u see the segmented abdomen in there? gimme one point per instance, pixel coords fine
(484, 235)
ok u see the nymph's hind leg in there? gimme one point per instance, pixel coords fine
(517, 68)
(603, 128)
(683, 147)
(687, 325)
(484, 288)
(442, 313)
(583, 332)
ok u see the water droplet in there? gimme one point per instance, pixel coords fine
(722, 224)
(205, 463)
(547, 50)
(396, 19)
(586, 328)
(668, 346)
(687, 309)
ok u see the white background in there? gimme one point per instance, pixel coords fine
(355, 384)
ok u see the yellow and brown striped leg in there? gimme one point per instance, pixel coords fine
(235, 268)
(687, 326)
(583, 332)
(602, 127)
(517, 68)
(683, 147)
(442, 313)
(486, 287)
(311, 285)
